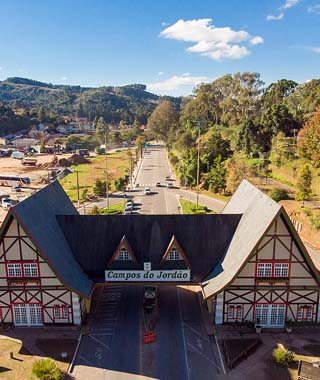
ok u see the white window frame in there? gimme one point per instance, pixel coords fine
(124, 255)
(174, 255)
(305, 313)
(283, 268)
(263, 269)
(61, 312)
(32, 268)
(14, 270)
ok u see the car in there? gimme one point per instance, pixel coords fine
(128, 207)
(158, 184)
(147, 191)
(169, 185)
(16, 189)
(6, 203)
(127, 212)
(167, 178)
(137, 185)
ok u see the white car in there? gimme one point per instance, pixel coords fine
(169, 184)
(147, 191)
(6, 203)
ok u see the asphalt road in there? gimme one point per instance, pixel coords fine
(114, 348)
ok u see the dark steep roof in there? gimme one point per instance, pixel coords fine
(203, 238)
(37, 215)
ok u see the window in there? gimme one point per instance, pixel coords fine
(123, 255)
(61, 312)
(22, 270)
(272, 269)
(305, 313)
(14, 270)
(30, 270)
(235, 313)
(264, 270)
(174, 254)
(281, 269)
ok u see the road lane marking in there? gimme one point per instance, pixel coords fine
(183, 336)
(99, 341)
(204, 356)
(196, 332)
(220, 356)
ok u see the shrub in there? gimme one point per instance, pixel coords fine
(283, 356)
(47, 369)
(94, 211)
(279, 194)
(315, 221)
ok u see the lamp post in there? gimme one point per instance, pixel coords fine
(199, 124)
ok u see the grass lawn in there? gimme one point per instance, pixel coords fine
(118, 166)
(114, 209)
(20, 366)
(191, 208)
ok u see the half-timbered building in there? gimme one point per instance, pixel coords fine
(249, 260)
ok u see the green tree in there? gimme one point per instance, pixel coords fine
(120, 184)
(216, 178)
(84, 195)
(237, 169)
(140, 142)
(163, 119)
(304, 182)
(99, 188)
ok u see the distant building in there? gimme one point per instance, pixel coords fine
(249, 260)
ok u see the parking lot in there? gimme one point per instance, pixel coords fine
(114, 343)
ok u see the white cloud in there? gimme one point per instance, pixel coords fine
(289, 4)
(210, 41)
(315, 49)
(164, 24)
(63, 78)
(256, 41)
(275, 18)
(186, 74)
(314, 9)
(160, 73)
(176, 82)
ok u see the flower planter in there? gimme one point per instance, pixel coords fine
(258, 329)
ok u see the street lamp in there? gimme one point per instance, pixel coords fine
(199, 125)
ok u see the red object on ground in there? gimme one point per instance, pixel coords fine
(149, 337)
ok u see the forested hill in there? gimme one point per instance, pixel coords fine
(113, 103)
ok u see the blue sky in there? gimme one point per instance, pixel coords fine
(168, 45)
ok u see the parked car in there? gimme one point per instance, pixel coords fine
(147, 191)
(169, 185)
(16, 189)
(158, 184)
(6, 203)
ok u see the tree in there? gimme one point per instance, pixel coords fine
(120, 184)
(216, 178)
(140, 142)
(102, 130)
(84, 195)
(309, 139)
(237, 169)
(163, 119)
(99, 188)
(304, 183)
(42, 115)
(94, 211)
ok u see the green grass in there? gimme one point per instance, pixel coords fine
(191, 208)
(118, 166)
(114, 209)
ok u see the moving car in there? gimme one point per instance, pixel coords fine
(147, 191)
(169, 185)
(158, 184)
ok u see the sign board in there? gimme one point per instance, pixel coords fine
(146, 266)
(176, 275)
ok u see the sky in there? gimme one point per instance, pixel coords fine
(169, 45)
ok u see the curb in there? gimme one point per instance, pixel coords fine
(71, 366)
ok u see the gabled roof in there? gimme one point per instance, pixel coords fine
(37, 216)
(174, 243)
(204, 238)
(258, 213)
(123, 243)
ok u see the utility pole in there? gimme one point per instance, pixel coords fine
(78, 190)
(198, 164)
(107, 177)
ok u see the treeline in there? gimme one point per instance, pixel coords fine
(114, 104)
(242, 126)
